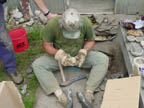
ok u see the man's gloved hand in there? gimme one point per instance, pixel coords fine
(81, 57)
(65, 59)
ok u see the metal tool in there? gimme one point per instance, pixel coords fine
(66, 83)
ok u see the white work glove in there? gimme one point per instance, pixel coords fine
(65, 59)
(81, 57)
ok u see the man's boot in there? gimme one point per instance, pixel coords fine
(61, 96)
(17, 78)
(89, 95)
(70, 98)
(84, 102)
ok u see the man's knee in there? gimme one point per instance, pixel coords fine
(98, 58)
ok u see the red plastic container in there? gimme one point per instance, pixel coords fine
(19, 39)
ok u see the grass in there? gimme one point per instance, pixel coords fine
(23, 62)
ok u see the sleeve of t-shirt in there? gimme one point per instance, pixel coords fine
(89, 31)
(48, 32)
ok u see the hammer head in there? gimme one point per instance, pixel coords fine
(66, 83)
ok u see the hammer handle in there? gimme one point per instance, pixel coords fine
(61, 72)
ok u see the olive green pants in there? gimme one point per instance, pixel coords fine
(44, 66)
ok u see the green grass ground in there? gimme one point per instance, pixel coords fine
(23, 62)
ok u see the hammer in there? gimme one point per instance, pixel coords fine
(66, 83)
(61, 72)
(69, 82)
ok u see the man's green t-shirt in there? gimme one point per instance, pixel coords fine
(52, 33)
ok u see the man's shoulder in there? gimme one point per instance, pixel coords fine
(54, 21)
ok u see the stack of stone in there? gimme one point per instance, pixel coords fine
(104, 25)
(16, 18)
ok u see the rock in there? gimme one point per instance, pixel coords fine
(17, 22)
(37, 12)
(104, 27)
(30, 76)
(136, 49)
(30, 23)
(142, 43)
(105, 20)
(34, 58)
(99, 18)
(111, 20)
(113, 31)
(117, 75)
(21, 21)
(14, 10)
(18, 15)
(29, 70)
(139, 39)
(11, 21)
(30, 11)
(24, 89)
(43, 18)
(131, 38)
(103, 85)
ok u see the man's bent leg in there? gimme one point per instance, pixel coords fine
(43, 68)
(99, 66)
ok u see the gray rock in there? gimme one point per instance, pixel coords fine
(139, 39)
(136, 49)
(105, 20)
(99, 18)
(18, 15)
(37, 12)
(24, 89)
(43, 18)
(117, 75)
(131, 38)
(29, 70)
(21, 20)
(30, 23)
(35, 57)
(113, 31)
(104, 27)
(103, 85)
(142, 43)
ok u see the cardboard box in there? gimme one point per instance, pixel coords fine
(9, 96)
(122, 93)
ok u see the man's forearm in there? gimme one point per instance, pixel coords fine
(41, 5)
(48, 47)
(89, 45)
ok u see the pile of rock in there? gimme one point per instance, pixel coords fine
(104, 25)
(16, 18)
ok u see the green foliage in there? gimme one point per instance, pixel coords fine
(34, 34)
(29, 98)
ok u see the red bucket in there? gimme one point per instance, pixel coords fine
(19, 39)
